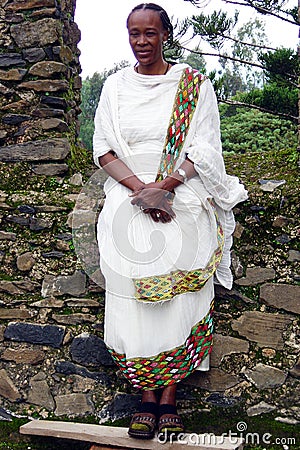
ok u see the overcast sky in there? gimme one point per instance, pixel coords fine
(104, 39)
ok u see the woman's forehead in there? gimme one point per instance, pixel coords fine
(146, 18)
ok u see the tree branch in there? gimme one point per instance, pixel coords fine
(259, 108)
(248, 43)
(261, 10)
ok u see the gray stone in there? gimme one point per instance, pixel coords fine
(280, 221)
(33, 55)
(25, 261)
(50, 169)
(37, 224)
(23, 355)
(49, 149)
(281, 296)
(123, 405)
(226, 345)
(19, 220)
(26, 209)
(7, 388)
(82, 302)
(50, 302)
(221, 400)
(2, 329)
(50, 335)
(73, 405)
(53, 255)
(54, 124)
(7, 236)
(54, 102)
(256, 275)
(73, 285)
(283, 239)
(40, 395)
(36, 34)
(48, 112)
(271, 185)
(214, 380)
(265, 377)
(260, 408)
(69, 368)
(287, 420)
(45, 85)
(295, 371)
(64, 53)
(15, 119)
(76, 179)
(20, 5)
(90, 350)
(238, 231)
(74, 319)
(18, 287)
(294, 256)
(47, 68)
(237, 267)
(11, 59)
(264, 328)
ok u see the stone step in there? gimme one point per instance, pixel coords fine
(117, 437)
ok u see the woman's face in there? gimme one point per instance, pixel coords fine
(146, 36)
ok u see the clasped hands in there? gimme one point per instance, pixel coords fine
(154, 200)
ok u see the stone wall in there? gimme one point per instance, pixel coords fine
(52, 357)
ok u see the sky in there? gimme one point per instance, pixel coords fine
(104, 39)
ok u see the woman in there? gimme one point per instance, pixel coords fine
(165, 230)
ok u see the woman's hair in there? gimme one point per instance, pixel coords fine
(165, 20)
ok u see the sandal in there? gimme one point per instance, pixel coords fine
(143, 423)
(170, 424)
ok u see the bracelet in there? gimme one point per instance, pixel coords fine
(182, 173)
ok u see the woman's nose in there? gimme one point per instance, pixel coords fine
(141, 39)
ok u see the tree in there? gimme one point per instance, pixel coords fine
(90, 94)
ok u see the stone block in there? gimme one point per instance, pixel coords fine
(226, 345)
(23, 355)
(72, 319)
(73, 405)
(213, 380)
(50, 335)
(260, 408)
(39, 33)
(69, 284)
(123, 405)
(40, 395)
(55, 102)
(25, 262)
(34, 54)
(18, 314)
(7, 388)
(256, 275)
(90, 350)
(54, 124)
(265, 377)
(12, 74)
(11, 59)
(69, 368)
(18, 5)
(46, 69)
(281, 296)
(50, 169)
(49, 149)
(45, 85)
(15, 119)
(264, 328)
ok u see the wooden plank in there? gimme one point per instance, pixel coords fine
(116, 437)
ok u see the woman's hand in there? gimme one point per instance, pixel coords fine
(151, 198)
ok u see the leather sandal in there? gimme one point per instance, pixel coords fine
(142, 425)
(170, 424)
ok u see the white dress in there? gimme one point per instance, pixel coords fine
(158, 329)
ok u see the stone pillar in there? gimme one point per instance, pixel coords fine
(39, 83)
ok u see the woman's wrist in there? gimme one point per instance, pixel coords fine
(172, 181)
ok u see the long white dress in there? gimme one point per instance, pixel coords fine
(160, 277)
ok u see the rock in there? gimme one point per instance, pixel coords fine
(221, 400)
(5, 415)
(45, 85)
(214, 380)
(236, 265)
(54, 102)
(2, 329)
(287, 420)
(40, 395)
(256, 275)
(25, 262)
(18, 287)
(294, 256)
(76, 179)
(265, 377)
(280, 221)
(50, 335)
(7, 388)
(33, 55)
(50, 302)
(281, 296)
(260, 408)
(123, 405)
(26, 209)
(53, 255)
(295, 371)
(48, 112)
(264, 328)
(90, 350)
(23, 355)
(11, 59)
(29, 4)
(73, 405)
(74, 319)
(69, 368)
(12, 74)
(50, 169)
(21, 314)
(238, 231)
(226, 345)
(74, 285)
(83, 302)
(7, 236)
(64, 53)
(283, 239)
(39, 33)
(37, 224)
(14, 119)
(268, 352)
(48, 149)
(44, 12)
(46, 69)
(81, 384)
(54, 124)
(271, 185)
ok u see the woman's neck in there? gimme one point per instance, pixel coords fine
(161, 68)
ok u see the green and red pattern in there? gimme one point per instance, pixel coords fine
(186, 100)
(172, 366)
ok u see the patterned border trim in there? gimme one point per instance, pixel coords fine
(165, 287)
(185, 103)
(172, 366)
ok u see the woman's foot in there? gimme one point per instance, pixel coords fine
(170, 424)
(143, 423)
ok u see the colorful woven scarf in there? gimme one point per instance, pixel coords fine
(185, 103)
